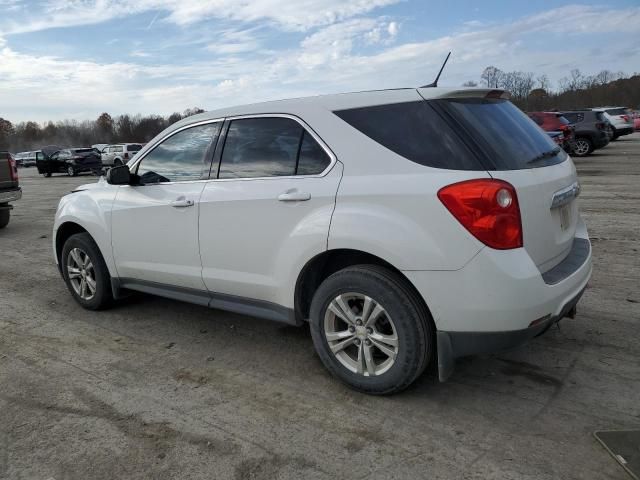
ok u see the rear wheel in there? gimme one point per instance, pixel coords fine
(5, 215)
(370, 330)
(582, 147)
(46, 174)
(85, 272)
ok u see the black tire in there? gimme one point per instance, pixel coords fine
(71, 171)
(5, 215)
(46, 175)
(103, 296)
(413, 326)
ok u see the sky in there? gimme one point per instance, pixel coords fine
(74, 59)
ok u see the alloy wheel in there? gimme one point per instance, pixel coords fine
(81, 273)
(360, 334)
(581, 147)
(71, 171)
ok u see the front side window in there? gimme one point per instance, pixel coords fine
(181, 157)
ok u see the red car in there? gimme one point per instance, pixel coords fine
(555, 122)
(636, 121)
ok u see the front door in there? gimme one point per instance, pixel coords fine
(155, 224)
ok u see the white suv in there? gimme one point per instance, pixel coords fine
(620, 120)
(120, 154)
(406, 226)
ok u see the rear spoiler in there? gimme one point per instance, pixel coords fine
(474, 93)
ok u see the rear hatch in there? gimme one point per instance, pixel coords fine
(513, 148)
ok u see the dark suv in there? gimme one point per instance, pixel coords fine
(70, 161)
(590, 131)
(10, 190)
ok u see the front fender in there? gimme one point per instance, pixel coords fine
(90, 210)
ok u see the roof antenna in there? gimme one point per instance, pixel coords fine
(435, 82)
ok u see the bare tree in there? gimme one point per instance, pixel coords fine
(470, 84)
(492, 76)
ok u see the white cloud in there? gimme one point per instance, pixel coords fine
(352, 54)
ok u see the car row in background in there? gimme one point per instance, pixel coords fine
(26, 159)
(580, 132)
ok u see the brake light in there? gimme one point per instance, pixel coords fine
(13, 169)
(625, 118)
(126, 155)
(488, 209)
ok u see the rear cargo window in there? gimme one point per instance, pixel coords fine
(415, 131)
(503, 135)
(616, 111)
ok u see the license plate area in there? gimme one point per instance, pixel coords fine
(565, 216)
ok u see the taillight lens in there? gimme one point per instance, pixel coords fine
(13, 169)
(126, 155)
(625, 118)
(488, 208)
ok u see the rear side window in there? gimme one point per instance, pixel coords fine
(504, 136)
(313, 159)
(415, 131)
(270, 147)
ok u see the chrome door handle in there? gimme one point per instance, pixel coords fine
(182, 203)
(294, 196)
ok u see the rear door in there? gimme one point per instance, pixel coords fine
(269, 209)
(515, 150)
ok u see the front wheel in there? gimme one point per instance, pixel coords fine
(71, 171)
(85, 272)
(370, 330)
(582, 147)
(46, 174)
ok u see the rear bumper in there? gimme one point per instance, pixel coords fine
(452, 345)
(10, 195)
(624, 130)
(500, 299)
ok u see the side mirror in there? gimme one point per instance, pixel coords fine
(119, 175)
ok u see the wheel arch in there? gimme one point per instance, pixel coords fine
(317, 269)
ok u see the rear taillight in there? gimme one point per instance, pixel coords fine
(600, 126)
(625, 118)
(126, 155)
(13, 169)
(488, 208)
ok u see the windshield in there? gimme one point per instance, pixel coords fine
(506, 138)
(616, 111)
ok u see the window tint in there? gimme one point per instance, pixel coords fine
(313, 159)
(261, 147)
(505, 136)
(134, 148)
(183, 156)
(574, 117)
(415, 131)
(616, 111)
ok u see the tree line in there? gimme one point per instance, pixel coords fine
(25, 136)
(575, 91)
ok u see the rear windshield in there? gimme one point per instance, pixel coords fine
(458, 134)
(133, 148)
(616, 111)
(563, 120)
(501, 133)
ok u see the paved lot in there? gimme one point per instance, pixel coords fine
(160, 389)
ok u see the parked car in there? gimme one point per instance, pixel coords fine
(10, 190)
(589, 129)
(558, 138)
(555, 122)
(69, 160)
(636, 121)
(25, 159)
(619, 118)
(407, 226)
(114, 155)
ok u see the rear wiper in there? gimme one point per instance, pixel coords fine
(543, 155)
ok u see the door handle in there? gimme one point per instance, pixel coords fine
(294, 195)
(182, 203)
